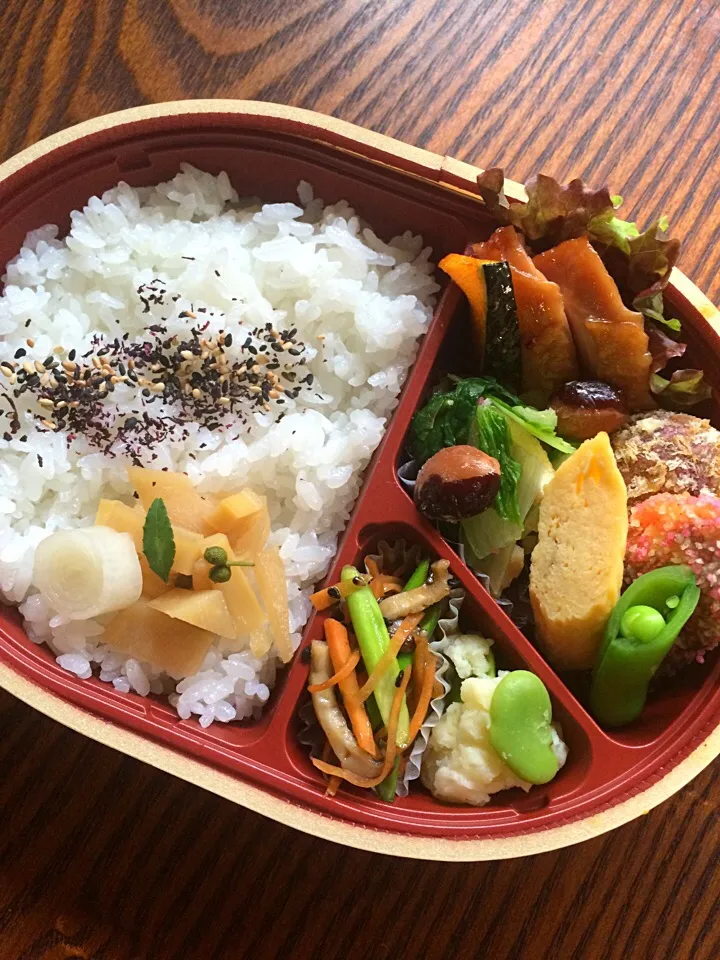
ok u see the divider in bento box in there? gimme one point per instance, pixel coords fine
(266, 149)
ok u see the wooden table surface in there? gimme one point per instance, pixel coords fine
(102, 857)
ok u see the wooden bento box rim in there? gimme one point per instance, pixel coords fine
(458, 177)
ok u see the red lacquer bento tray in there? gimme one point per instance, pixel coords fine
(266, 149)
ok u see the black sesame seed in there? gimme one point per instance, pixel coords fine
(305, 655)
(20, 352)
(399, 679)
(334, 592)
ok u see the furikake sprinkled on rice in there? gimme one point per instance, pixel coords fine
(195, 373)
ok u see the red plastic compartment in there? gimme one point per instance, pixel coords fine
(264, 158)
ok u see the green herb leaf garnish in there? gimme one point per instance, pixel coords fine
(158, 540)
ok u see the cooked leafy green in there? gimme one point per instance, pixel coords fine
(489, 432)
(539, 423)
(488, 533)
(445, 419)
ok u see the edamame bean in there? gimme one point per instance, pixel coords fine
(520, 731)
(642, 623)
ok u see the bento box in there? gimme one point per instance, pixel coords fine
(611, 777)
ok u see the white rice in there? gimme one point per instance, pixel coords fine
(313, 267)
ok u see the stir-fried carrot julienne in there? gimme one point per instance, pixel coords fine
(402, 633)
(390, 751)
(425, 657)
(333, 785)
(339, 646)
(384, 584)
(345, 670)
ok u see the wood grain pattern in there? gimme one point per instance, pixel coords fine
(105, 859)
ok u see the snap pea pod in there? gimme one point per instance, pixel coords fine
(387, 789)
(641, 630)
(373, 640)
(427, 625)
(373, 713)
(419, 576)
